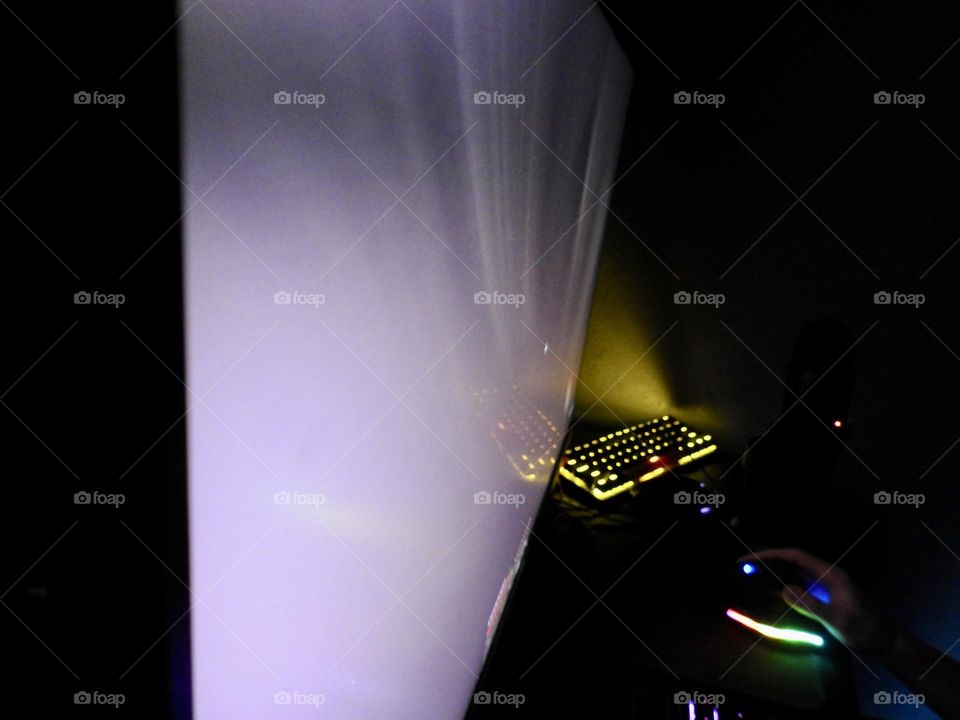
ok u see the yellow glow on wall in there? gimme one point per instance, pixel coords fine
(625, 369)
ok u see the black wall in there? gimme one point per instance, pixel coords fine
(91, 393)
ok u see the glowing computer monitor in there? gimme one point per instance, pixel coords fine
(393, 217)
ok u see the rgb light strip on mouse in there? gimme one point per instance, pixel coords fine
(770, 631)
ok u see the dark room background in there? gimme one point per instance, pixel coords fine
(799, 197)
(707, 200)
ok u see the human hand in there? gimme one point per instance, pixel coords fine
(844, 614)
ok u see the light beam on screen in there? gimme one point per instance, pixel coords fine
(387, 291)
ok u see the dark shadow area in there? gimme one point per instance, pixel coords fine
(94, 524)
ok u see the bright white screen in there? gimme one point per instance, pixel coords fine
(349, 397)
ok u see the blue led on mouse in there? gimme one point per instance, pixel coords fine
(820, 593)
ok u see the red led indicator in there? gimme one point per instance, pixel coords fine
(837, 424)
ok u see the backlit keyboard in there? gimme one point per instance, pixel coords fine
(621, 460)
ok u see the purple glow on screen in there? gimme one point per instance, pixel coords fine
(368, 436)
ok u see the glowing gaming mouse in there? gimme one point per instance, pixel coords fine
(759, 606)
